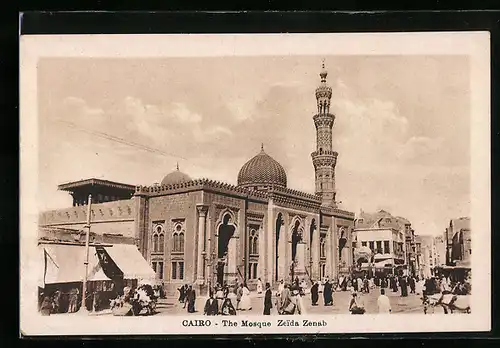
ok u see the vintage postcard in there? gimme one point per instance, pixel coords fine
(255, 184)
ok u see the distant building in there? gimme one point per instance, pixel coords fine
(439, 251)
(384, 235)
(427, 258)
(458, 238)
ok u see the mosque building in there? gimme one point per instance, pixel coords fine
(201, 231)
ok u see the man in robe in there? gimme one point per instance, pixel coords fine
(394, 284)
(268, 302)
(191, 299)
(412, 284)
(211, 306)
(285, 298)
(239, 294)
(314, 293)
(327, 293)
(404, 286)
(383, 303)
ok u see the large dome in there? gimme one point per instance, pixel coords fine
(176, 177)
(262, 170)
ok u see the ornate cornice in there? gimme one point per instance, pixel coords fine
(255, 215)
(94, 182)
(202, 184)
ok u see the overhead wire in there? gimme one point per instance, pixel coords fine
(120, 140)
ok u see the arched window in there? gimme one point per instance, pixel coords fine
(162, 243)
(253, 243)
(181, 242)
(322, 247)
(178, 237)
(155, 242)
(176, 241)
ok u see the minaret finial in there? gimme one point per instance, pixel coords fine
(323, 72)
(261, 146)
(177, 166)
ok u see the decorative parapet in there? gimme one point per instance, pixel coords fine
(109, 211)
(294, 199)
(337, 213)
(279, 191)
(201, 184)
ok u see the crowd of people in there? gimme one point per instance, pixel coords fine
(221, 299)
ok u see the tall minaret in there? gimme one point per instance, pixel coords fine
(324, 158)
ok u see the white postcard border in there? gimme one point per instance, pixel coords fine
(474, 44)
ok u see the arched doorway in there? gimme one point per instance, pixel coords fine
(342, 242)
(312, 251)
(225, 233)
(360, 261)
(296, 238)
(279, 223)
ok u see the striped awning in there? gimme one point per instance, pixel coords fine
(64, 263)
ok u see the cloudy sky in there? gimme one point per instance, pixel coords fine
(401, 129)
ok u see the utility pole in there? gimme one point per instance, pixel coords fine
(83, 308)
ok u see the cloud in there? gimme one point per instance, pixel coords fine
(181, 113)
(420, 148)
(76, 110)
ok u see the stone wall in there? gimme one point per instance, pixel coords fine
(169, 211)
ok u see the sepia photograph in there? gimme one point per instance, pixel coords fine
(242, 184)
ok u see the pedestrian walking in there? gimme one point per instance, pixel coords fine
(412, 285)
(191, 299)
(259, 286)
(383, 303)
(314, 293)
(268, 302)
(211, 306)
(404, 286)
(239, 295)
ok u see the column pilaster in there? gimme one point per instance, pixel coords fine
(202, 215)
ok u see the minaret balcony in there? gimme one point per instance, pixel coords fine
(324, 154)
(324, 119)
(324, 161)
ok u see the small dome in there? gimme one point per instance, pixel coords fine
(176, 177)
(262, 170)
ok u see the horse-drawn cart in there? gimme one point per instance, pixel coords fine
(449, 302)
(135, 302)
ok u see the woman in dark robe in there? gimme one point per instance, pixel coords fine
(327, 294)
(211, 306)
(191, 299)
(404, 286)
(268, 302)
(394, 284)
(227, 307)
(182, 294)
(314, 294)
(412, 285)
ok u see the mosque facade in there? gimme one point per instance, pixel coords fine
(201, 231)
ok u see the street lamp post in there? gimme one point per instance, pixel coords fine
(83, 307)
